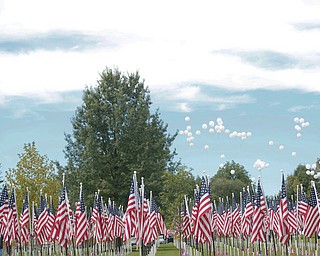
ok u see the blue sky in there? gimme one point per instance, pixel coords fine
(254, 65)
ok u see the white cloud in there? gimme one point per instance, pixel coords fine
(171, 47)
(184, 107)
(300, 108)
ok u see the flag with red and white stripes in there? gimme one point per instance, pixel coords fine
(283, 230)
(24, 220)
(313, 217)
(81, 227)
(11, 232)
(258, 221)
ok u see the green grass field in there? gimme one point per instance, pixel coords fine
(163, 250)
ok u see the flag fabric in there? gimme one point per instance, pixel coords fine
(283, 230)
(96, 219)
(303, 207)
(227, 219)
(258, 221)
(24, 220)
(312, 217)
(62, 221)
(4, 202)
(235, 218)
(11, 232)
(131, 214)
(43, 221)
(246, 218)
(81, 227)
(204, 217)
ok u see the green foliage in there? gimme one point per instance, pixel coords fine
(224, 183)
(176, 186)
(35, 172)
(114, 134)
(299, 177)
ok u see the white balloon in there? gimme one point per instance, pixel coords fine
(211, 130)
(191, 138)
(187, 119)
(296, 120)
(219, 131)
(191, 144)
(299, 135)
(204, 126)
(198, 132)
(231, 135)
(181, 132)
(308, 172)
(189, 128)
(186, 131)
(266, 165)
(232, 172)
(314, 166)
(189, 134)
(271, 143)
(249, 134)
(281, 147)
(221, 165)
(211, 123)
(243, 134)
(307, 124)
(239, 135)
(293, 153)
(206, 147)
(219, 120)
(312, 173)
(227, 131)
(222, 156)
(298, 128)
(243, 137)
(308, 166)
(301, 120)
(315, 176)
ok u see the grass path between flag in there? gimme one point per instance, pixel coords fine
(163, 250)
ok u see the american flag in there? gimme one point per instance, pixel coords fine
(43, 220)
(283, 231)
(81, 220)
(227, 219)
(24, 220)
(247, 208)
(62, 220)
(96, 218)
(303, 207)
(194, 214)
(52, 222)
(293, 218)
(131, 214)
(258, 222)
(203, 223)
(186, 225)
(3, 207)
(11, 231)
(235, 218)
(312, 218)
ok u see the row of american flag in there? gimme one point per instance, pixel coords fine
(253, 218)
(104, 223)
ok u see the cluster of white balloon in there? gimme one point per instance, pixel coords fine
(300, 123)
(259, 164)
(311, 171)
(213, 128)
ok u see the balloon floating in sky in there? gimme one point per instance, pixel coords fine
(301, 123)
(204, 126)
(259, 164)
(281, 147)
(187, 119)
(222, 156)
(271, 143)
(206, 147)
(198, 132)
(211, 130)
(191, 144)
(189, 128)
(211, 123)
(293, 153)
